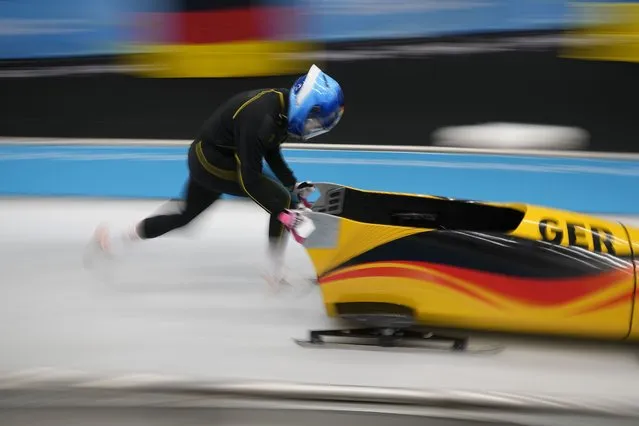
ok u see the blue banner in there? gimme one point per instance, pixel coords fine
(333, 20)
(57, 28)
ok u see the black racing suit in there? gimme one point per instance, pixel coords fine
(226, 158)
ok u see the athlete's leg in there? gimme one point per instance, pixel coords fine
(277, 234)
(196, 200)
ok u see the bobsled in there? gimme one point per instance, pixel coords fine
(397, 260)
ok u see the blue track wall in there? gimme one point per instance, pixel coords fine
(588, 185)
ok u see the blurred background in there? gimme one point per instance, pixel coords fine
(415, 72)
(509, 74)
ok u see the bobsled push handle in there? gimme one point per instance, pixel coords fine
(331, 199)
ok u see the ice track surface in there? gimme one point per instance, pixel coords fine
(193, 305)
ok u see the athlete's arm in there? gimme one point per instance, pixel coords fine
(279, 167)
(254, 127)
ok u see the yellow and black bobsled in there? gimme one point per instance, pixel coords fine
(440, 262)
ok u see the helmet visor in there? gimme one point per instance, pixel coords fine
(318, 123)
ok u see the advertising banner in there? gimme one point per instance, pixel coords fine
(221, 39)
(609, 29)
(338, 20)
(59, 28)
(69, 28)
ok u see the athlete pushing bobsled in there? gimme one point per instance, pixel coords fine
(228, 153)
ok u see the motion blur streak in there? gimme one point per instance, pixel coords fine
(181, 306)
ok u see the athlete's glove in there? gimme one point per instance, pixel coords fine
(303, 190)
(297, 223)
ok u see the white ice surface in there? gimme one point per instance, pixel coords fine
(194, 305)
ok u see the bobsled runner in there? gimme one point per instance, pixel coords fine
(398, 263)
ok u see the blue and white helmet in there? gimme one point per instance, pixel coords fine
(316, 104)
